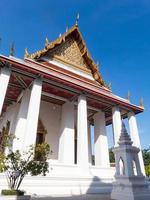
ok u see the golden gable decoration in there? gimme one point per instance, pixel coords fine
(69, 47)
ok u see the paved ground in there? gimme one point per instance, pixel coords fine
(75, 197)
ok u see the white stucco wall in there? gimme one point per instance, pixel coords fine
(10, 115)
(50, 115)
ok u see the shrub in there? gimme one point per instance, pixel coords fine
(147, 170)
(12, 192)
(16, 165)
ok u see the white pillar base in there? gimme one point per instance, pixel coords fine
(20, 129)
(66, 143)
(82, 134)
(101, 142)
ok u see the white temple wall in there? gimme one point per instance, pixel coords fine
(50, 116)
(10, 115)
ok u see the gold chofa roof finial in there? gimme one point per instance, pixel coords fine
(26, 53)
(12, 49)
(142, 102)
(46, 42)
(77, 19)
(66, 29)
(128, 95)
(109, 86)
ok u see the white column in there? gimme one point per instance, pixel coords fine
(135, 137)
(4, 80)
(116, 118)
(20, 129)
(33, 114)
(82, 134)
(89, 143)
(100, 139)
(66, 142)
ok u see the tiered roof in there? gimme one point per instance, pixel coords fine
(70, 49)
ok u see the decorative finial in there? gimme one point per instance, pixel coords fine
(60, 35)
(46, 42)
(109, 86)
(77, 19)
(128, 95)
(0, 41)
(12, 49)
(66, 29)
(124, 137)
(142, 102)
(26, 53)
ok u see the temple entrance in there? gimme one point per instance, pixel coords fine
(41, 133)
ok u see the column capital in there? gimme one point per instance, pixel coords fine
(100, 139)
(6, 69)
(38, 79)
(116, 107)
(131, 113)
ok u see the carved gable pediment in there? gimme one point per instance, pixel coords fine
(68, 52)
(70, 49)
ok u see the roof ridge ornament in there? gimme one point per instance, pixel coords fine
(66, 29)
(142, 102)
(77, 19)
(12, 50)
(26, 53)
(128, 96)
(46, 42)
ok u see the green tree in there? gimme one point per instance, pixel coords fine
(146, 158)
(111, 156)
(17, 165)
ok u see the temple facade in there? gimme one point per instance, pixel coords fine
(55, 95)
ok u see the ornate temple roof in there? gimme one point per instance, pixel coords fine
(69, 48)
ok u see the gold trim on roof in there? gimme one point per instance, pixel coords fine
(74, 30)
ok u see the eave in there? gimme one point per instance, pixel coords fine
(76, 84)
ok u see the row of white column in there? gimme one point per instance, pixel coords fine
(66, 144)
(27, 118)
(27, 122)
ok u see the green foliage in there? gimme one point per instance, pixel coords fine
(111, 156)
(147, 170)
(16, 166)
(146, 156)
(12, 192)
(2, 162)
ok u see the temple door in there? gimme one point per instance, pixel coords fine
(41, 133)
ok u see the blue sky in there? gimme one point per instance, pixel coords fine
(117, 33)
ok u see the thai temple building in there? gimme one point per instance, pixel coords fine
(55, 95)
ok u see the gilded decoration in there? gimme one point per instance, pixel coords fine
(70, 47)
(68, 51)
(41, 132)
